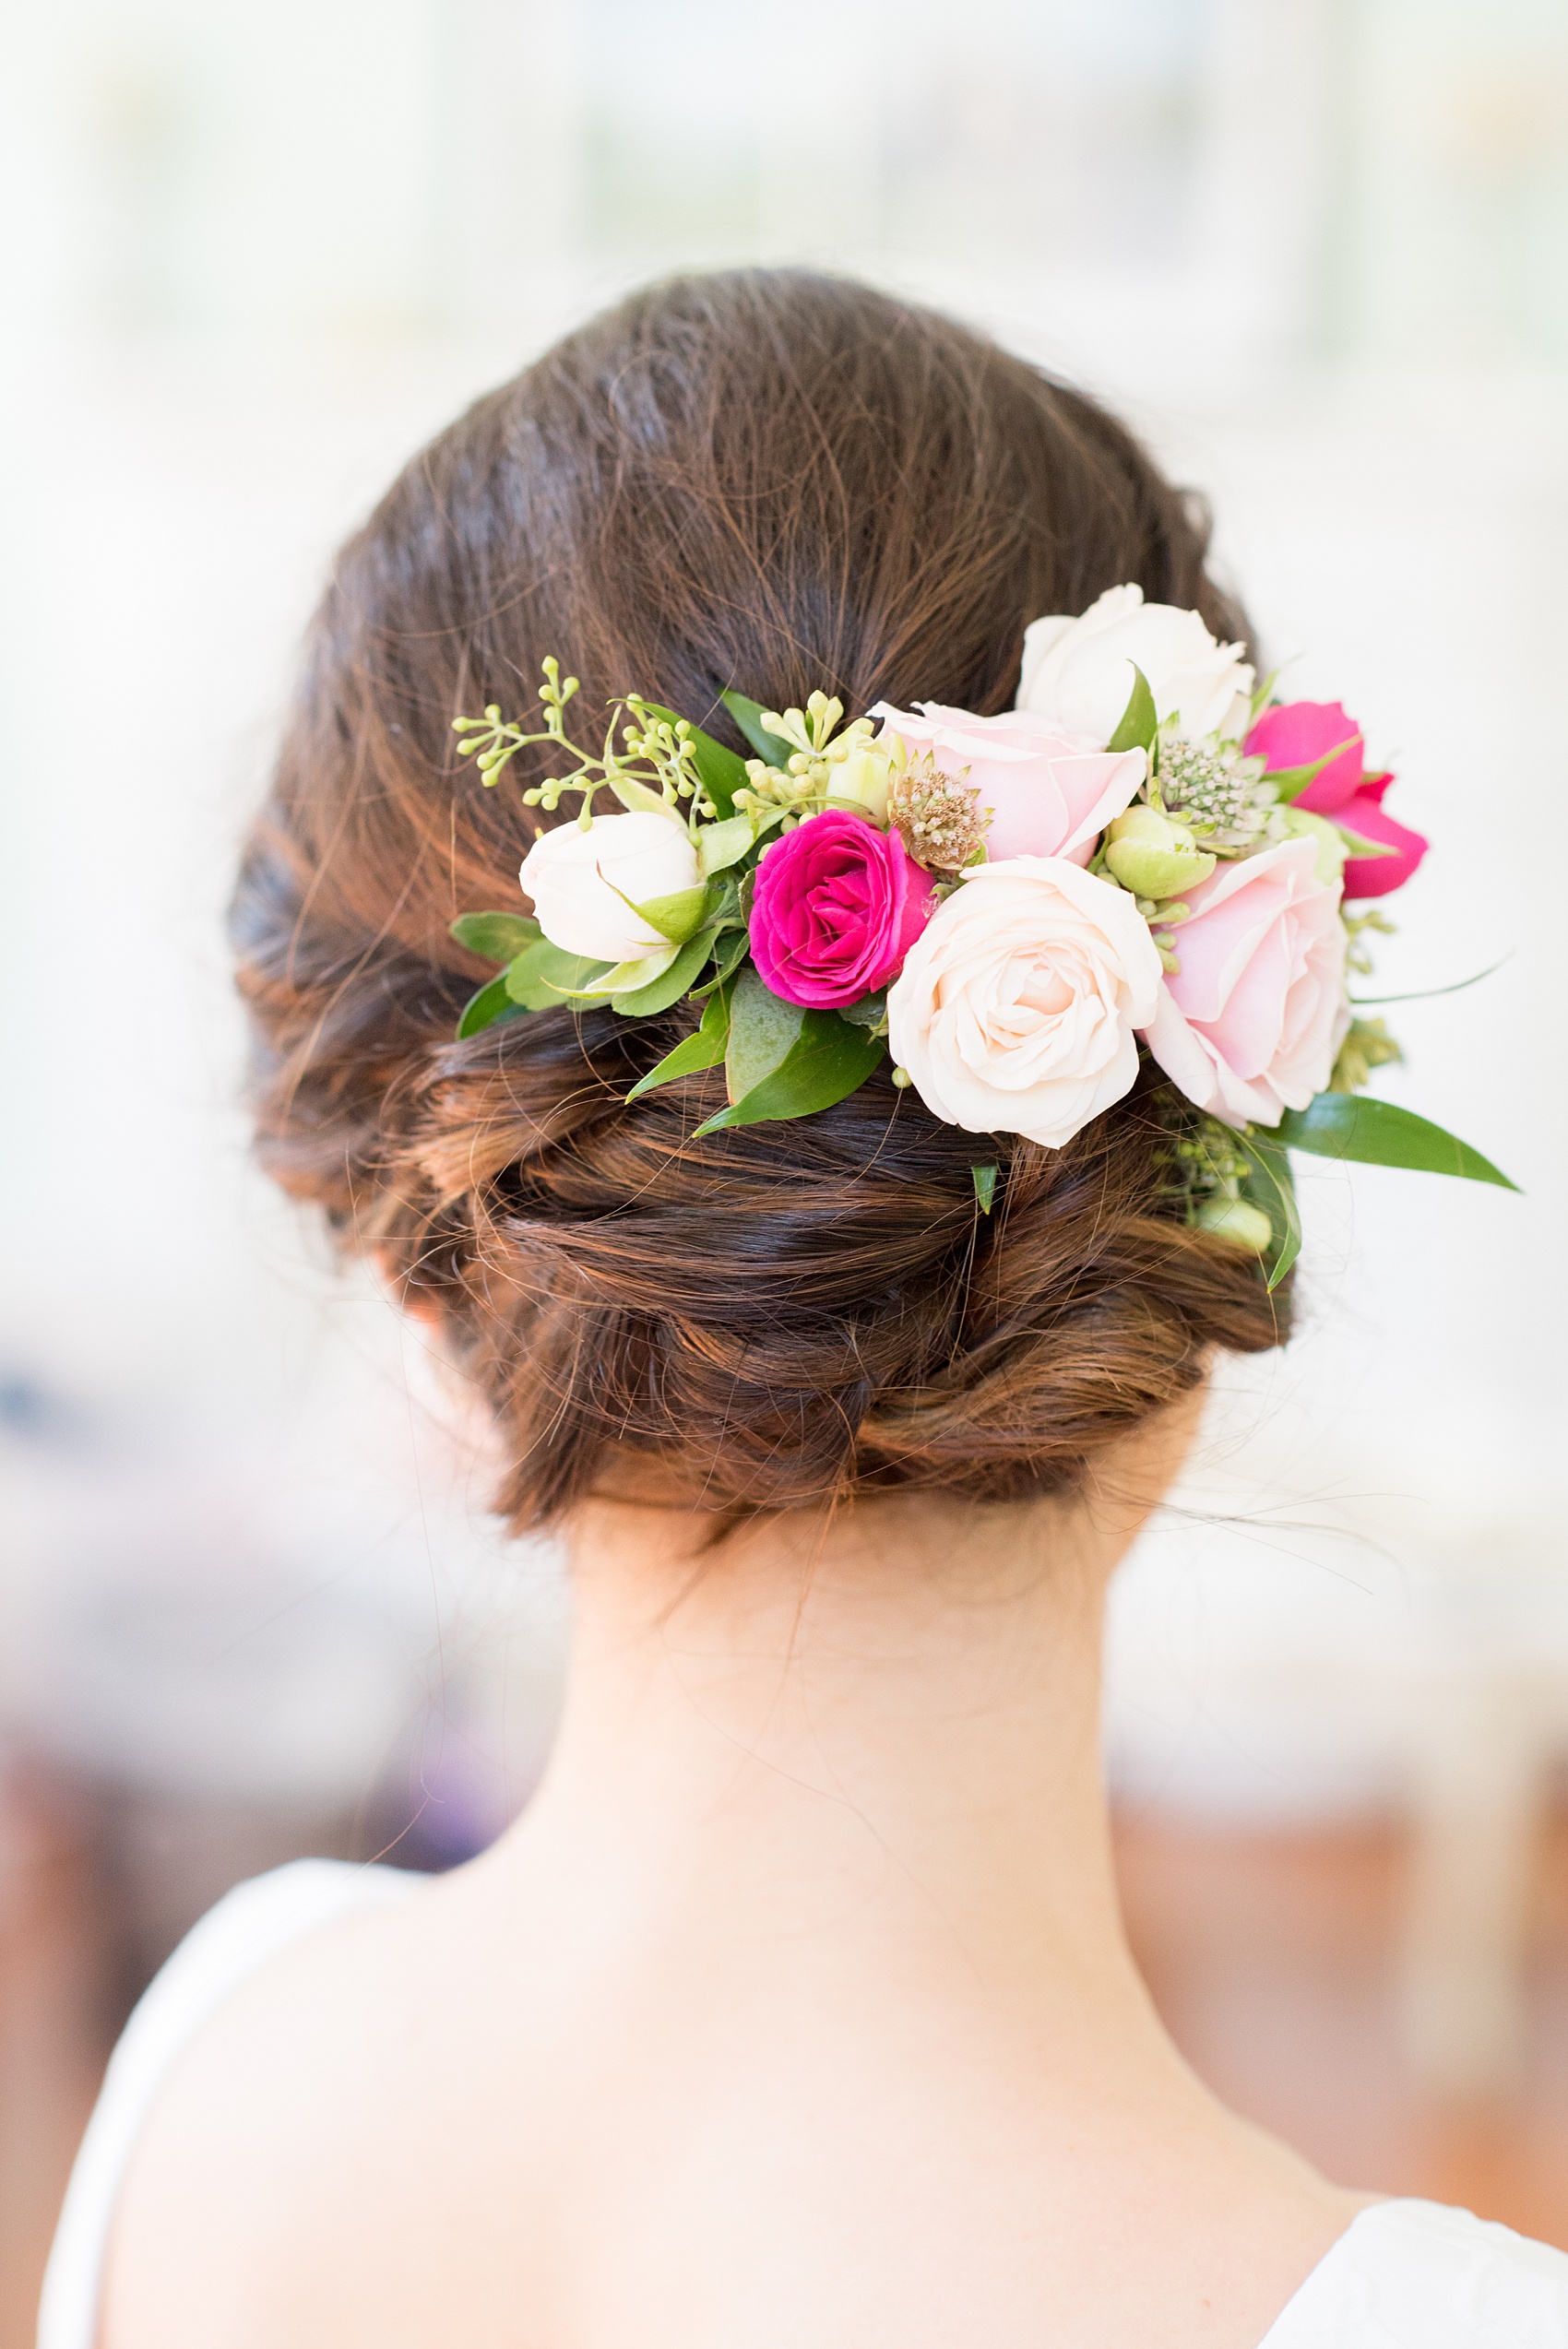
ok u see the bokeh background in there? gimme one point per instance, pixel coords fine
(249, 1602)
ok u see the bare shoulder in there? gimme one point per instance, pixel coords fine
(272, 2094)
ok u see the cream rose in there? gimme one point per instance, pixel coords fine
(568, 873)
(1250, 1025)
(1078, 673)
(1017, 1008)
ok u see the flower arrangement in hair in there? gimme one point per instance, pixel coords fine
(1147, 857)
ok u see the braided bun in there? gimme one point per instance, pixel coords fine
(777, 481)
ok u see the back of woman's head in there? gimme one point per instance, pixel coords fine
(774, 481)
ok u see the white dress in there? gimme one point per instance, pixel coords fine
(1404, 2274)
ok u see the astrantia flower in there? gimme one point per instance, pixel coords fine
(1017, 1008)
(838, 904)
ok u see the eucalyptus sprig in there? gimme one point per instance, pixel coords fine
(657, 767)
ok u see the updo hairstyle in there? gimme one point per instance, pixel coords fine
(777, 482)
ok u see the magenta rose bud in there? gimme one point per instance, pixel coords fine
(836, 907)
(1298, 734)
(1366, 815)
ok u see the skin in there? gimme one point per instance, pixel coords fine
(796, 2008)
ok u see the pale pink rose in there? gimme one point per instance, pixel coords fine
(1017, 1005)
(1079, 672)
(1049, 793)
(1250, 1025)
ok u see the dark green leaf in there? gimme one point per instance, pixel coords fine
(487, 1008)
(1268, 1186)
(1140, 720)
(747, 716)
(543, 976)
(827, 1060)
(641, 1003)
(763, 1029)
(1376, 1133)
(497, 936)
(870, 1012)
(702, 1050)
(985, 1187)
(722, 771)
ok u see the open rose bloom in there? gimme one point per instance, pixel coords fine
(1250, 1025)
(1017, 1006)
(1042, 790)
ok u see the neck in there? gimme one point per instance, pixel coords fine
(876, 1741)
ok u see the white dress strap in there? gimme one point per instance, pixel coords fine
(247, 1927)
(1420, 2276)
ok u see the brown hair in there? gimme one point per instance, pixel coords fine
(774, 480)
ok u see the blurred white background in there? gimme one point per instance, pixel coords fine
(1318, 251)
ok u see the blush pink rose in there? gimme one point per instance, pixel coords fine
(1298, 733)
(1049, 793)
(836, 907)
(1250, 1025)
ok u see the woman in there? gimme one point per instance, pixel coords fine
(797, 2006)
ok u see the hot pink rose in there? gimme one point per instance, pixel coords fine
(838, 905)
(1297, 734)
(1250, 1025)
(1049, 793)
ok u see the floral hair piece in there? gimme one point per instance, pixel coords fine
(1144, 857)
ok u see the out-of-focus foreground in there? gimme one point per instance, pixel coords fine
(1318, 249)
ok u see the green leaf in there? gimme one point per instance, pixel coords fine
(722, 844)
(1376, 1133)
(543, 976)
(675, 917)
(487, 1008)
(763, 1029)
(985, 1187)
(747, 716)
(667, 986)
(621, 978)
(1289, 782)
(1139, 721)
(827, 1060)
(499, 937)
(870, 1012)
(722, 771)
(1427, 994)
(640, 801)
(702, 1050)
(728, 956)
(1268, 1186)
(1357, 845)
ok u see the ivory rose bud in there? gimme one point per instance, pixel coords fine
(1017, 1008)
(568, 873)
(1047, 792)
(1298, 734)
(1078, 673)
(836, 906)
(1249, 1026)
